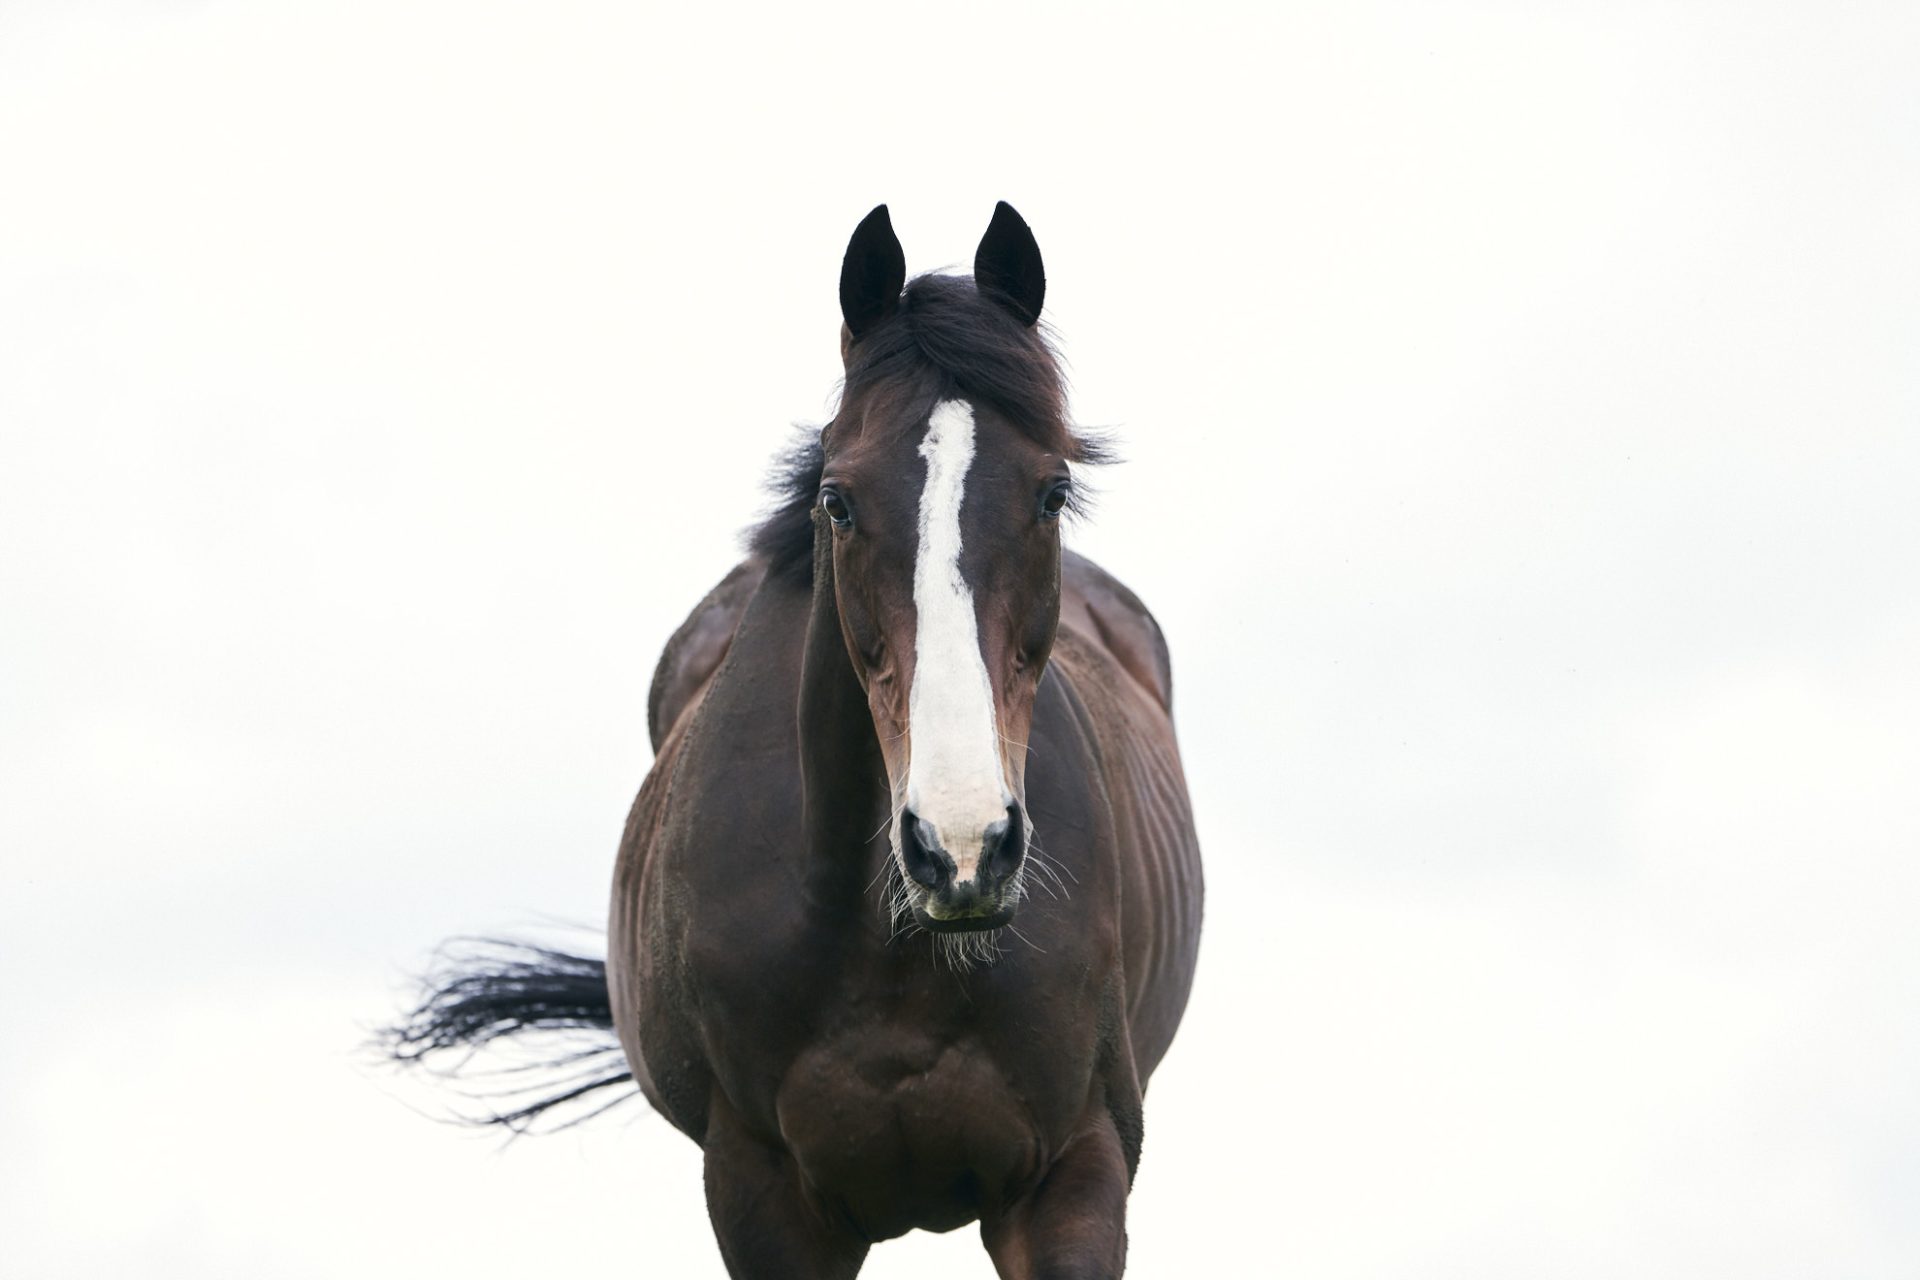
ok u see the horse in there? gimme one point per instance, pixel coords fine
(908, 908)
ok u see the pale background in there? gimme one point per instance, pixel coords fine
(1520, 409)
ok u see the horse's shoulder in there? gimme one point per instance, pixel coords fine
(1112, 619)
(696, 650)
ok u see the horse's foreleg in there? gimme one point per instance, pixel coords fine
(1073, 1226)
(767, 1227)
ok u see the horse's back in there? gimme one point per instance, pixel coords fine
(1101, 606)
(695, 651)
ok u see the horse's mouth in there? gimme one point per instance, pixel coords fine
(972, 922)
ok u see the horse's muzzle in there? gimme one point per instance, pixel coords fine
(950, 904)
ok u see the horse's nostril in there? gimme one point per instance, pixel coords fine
(920, 849)
(1005, 843)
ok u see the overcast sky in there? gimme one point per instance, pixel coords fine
(1519, 406)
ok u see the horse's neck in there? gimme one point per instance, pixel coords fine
(843, 775)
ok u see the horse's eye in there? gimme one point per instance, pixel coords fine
(836, 509)
(1055, 501)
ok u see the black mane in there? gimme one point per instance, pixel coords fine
(946, 340)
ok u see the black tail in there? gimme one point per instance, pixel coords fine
(486, 994)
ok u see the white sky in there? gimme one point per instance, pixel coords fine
(1520, 408)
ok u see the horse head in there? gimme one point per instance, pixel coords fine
(943, 479)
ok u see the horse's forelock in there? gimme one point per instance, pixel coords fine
(946, 341)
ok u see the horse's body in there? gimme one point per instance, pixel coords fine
(906, 717)
(765, 1007)
(897, 1092)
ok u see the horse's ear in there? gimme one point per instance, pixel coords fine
(1007, 265)
(872, 274)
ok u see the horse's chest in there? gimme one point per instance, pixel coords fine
(905, 1131)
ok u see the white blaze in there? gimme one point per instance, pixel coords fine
(954, 778)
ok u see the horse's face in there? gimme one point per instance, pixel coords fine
(945, 532)
(946, 569)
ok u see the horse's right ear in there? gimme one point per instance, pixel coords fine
(872, 274)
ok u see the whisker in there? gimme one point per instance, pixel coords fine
(1029, 941)
(1033, 846)
(1046, 866)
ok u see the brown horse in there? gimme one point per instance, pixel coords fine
(907, 909)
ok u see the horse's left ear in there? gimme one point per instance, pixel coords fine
(1007, 266)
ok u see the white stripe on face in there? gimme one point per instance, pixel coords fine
(954, 778)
